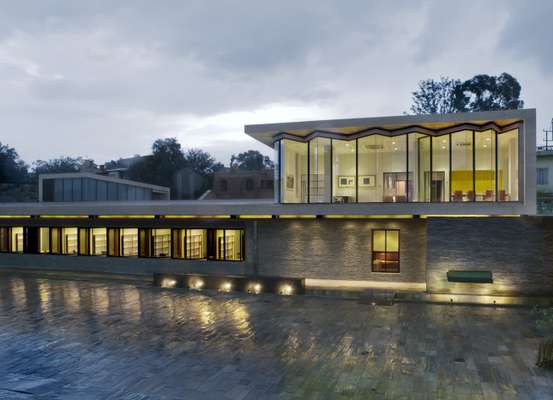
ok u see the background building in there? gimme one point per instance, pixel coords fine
(84, 186)
(233, 183)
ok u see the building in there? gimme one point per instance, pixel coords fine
(544, 170)
(443, 204)
(85, 186)
(234, 183)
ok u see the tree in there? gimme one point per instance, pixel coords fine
(202, 162)
(12, 168)
(62, 164)
(251, 160)
(480, 93)
(435, 97)
(489, 93)
(167, 160)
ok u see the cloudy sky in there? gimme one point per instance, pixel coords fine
(103, 79)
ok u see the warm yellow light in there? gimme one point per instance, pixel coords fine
(297, 216)
(255, 216)
(168, 283)
(196, 283)
(15, 216)
(226, 287)
(255, 288)
(127, 216)
(197, 216)
(286, 289)
(455, 216)
(362, 216)
(64, 216)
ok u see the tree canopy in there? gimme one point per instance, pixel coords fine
(12, 168)
(250, 160)
(480, 93)
(63, 164)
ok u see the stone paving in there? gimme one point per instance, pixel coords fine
(83, 340)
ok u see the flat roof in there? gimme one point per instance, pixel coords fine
(251, 207)
(265, 133)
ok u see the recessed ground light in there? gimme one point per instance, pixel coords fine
(286, 289)
(226, 287)
(168, 283)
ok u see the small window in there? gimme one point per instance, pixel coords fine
(385, 250)
(543, 176)
(249, 184)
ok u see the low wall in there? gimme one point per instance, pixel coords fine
(518, 252)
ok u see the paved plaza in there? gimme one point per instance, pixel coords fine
(62, 339)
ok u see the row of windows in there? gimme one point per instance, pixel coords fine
(87, 189)
(188, 244)
(542, 176)
(457, 167)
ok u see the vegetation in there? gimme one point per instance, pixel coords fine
(12, 168)
(480, 93)
(251, 160)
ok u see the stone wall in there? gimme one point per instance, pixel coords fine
(337, 249)
(518, 252)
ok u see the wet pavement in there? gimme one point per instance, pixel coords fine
(63, 339)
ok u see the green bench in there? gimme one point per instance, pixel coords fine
(470, 276)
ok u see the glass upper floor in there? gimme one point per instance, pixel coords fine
(458, 166)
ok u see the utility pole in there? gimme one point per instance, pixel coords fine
(548, 136)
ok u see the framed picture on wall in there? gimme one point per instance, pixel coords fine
(346, 181)
(290, 182)
(367, 180)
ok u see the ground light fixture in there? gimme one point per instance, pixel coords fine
(286, 289)
(254, 288)
(168, 283)
(196, 283)
(226, 287)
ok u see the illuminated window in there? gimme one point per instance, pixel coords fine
(44, 240)
(385, 250)
(98, 242)
(229, 244)
(69, 240)
(161, 242)
(16, 240)
(129, 242)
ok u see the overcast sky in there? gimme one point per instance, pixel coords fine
(103, 79)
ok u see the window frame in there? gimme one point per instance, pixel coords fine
(386, 230)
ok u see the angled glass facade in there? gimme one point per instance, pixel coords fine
(467, 165)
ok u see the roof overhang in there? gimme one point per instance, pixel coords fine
(395, 125)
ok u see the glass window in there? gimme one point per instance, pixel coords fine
(89, 189)
(47, 190)
(161, 242)
(16, 240)
(4, 239)
(385, 250)
(114, 242)
(229, 244)
(69, 240)
(112, 191)
(44, 240)
(439, 186)
(58, 189)
(382, 168)
(98, 241)
(77, 189)
(277, 171)
(55, 240)
(84, 242)
(462, 178)
(147, 194)
(484, 174)
(196, 244)
(102, 190)
(144, 241)
(132, 193)
(419, 167)
(319, 170)
(543, 176)
(294, 174)
(123, 192)
(67, 189)
(507, 166)
(129, 242)
(344, 180)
